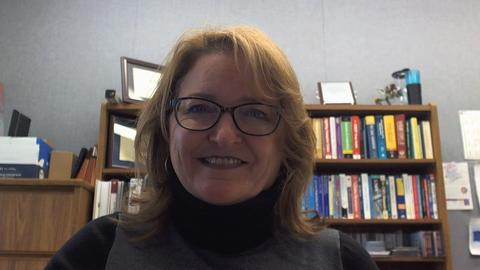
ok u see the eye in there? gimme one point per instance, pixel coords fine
(255, 113)
(196, 108)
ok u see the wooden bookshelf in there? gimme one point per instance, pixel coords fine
(28, 239)
(431, 166)
(393, 166)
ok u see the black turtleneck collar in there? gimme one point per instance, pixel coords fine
(223, 229)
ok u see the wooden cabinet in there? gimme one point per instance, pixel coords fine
(38, 217)
(393, 166)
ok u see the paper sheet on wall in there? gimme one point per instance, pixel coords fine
(470, 127)
(457, 186)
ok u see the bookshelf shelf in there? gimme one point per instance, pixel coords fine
(432, 166)
(409, 259)
(376, 222)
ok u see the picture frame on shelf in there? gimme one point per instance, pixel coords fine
(121, 151)
(336, 93)
(139, 79)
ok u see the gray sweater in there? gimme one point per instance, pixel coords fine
(170, 251)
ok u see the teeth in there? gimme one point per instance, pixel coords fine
(223, 161)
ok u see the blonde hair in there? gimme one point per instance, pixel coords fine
(271, 73)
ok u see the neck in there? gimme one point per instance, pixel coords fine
(223, 228)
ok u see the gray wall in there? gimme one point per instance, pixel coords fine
(57, 57)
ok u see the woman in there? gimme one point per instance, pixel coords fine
(229, 151)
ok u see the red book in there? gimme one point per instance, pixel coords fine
(356, 136)
(355, 197)
(326, 136)
(415, 197)
(401, 143)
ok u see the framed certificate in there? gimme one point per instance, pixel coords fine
(336, 93)
(139, 79)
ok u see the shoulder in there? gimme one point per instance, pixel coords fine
(354, 256)
(88, 248)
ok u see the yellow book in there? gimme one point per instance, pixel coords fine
(318, 130)
(390, 136)
(427, 139)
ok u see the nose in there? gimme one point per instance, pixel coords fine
(225, 132)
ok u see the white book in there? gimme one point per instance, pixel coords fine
(331, 195)
(105, 187)
(120, 197)
(333, 137)
(366, 196)
(393, 196)
(407, 182)
(96, 200)
(434, 198)
(19, 154)
(427, 139)
(343, 195)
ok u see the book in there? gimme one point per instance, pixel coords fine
(390, 136)
(326, 137)
(347, 137)
(415, 135)
(356, 196)
(19, 125)
(427, 139)
(380, 131)
(366, 196)
(400, 135)
(356, 136)
(371, 136)
(20, 171)
(318, 130)
(333, 137)
(377, 197)
(338, 134)
(78, 163)
(393, 197)
(343, 196)
(26, 151)
(400, 192)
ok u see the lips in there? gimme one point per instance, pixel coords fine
(221, 162)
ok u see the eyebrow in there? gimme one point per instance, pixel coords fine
(213, 98)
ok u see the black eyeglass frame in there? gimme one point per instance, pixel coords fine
(174, 103)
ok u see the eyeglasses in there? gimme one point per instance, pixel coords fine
(199, 114)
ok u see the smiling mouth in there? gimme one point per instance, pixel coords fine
(222, 162)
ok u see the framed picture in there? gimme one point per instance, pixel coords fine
(121, 132)
(336, 93)
(139, 79)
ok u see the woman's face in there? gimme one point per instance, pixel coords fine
(222, 165)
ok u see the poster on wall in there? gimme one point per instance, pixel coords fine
(470, 128)
(457, 186)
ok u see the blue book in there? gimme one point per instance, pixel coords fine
(380, 129)
(400, 190)
(371, 136)
(420, 195)
(20, 171)
(318, 194)
(326, 210)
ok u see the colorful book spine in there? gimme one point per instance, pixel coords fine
(393, 197)
(326, 137)
(344, 195)
(434, 196)
(338, 134)
(408, 139)
(363, 140)
(317, 128)
(400, 130)
(400, 191)
(414, 132)
(356, 136)
(371, 136)
(333, 137)
(377, 196)
(350, 197)
(380, 131)
(390, 136)
(347, 137)
(385, 200)
(356, 197)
